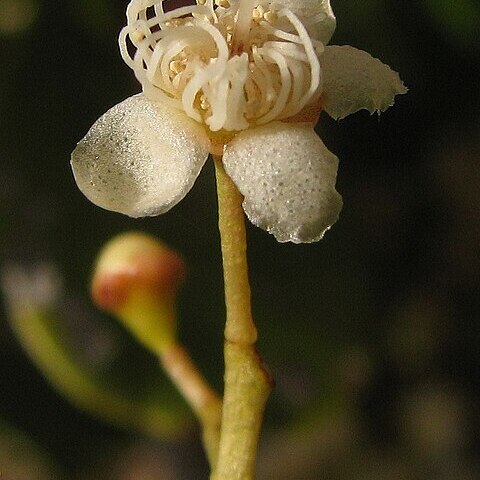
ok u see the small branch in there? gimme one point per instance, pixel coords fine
(247, 383)
(203, 400)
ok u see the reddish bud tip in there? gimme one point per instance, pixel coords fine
(135, 262)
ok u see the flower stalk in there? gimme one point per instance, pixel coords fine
(202, 399)
(247, 383)
(136, 279)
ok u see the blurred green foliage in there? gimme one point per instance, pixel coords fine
(459, 19)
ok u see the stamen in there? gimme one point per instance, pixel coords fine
(204, 103)
(229, 67)
(258, 12)
(270, 16)
(315, 78)
(285, 83)
(137, 36)
(177, 66)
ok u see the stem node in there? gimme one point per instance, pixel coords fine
(247, 382)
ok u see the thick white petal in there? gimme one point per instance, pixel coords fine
(314, 12)
(353, 80)
(140, 158)
(287, 177)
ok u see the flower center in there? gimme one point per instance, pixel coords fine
(229, 64)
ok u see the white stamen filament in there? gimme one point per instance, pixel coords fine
(312, 58)
(238, 75)
(225, 66)
(286, 81)
(262, 78)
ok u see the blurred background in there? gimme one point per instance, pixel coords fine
(372, 334)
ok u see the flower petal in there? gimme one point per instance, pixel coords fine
(140, 158)
(316, 12)
(353, 80)
(287, 177)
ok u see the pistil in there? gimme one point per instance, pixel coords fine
(242, 26)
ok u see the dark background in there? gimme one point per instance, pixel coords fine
(372, 334)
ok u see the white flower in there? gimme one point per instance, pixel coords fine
(242, 78)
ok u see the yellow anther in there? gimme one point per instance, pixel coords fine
(137, 36)
(270, 16)
(204, 104)
(200, 16)
(175, 22)
(177, 66)
(222, 3)
(258, 12)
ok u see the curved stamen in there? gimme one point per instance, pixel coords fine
(229, 64)
(285, 83)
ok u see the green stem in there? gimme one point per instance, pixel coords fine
(247, 383)
(199, 395)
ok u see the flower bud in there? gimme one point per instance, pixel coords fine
(136, 279)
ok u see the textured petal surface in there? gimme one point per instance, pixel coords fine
(318, 12)
(140, 158)
(327, 24)
(353, 80)
(287, 177)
